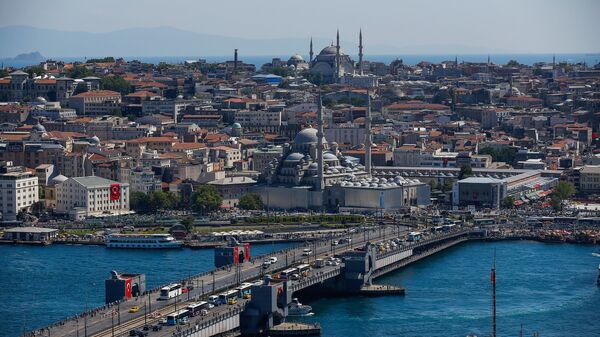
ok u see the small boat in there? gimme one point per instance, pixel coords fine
(596, 253)
(298, 309)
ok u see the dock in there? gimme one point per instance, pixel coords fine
(296, 329)
(381, 290)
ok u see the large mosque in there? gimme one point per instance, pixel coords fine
(312, 174)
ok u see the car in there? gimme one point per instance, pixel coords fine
(306, 252)
(232, 301)
(266, 264)
(214, 300)
(247, 296)
(294, 277)
(203, 312)
(137, 333)
(146, 327)
(184, 321)
(162, 321)
(156, 327)
(133, 309)
(335, 243)
(210, 305)
(273, 259)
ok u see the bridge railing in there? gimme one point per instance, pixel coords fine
(204, 324)
(313, 279)
(413, 245)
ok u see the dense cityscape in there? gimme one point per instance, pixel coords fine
(202, 198)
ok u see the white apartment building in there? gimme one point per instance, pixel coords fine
(18, 190)
(261, 121)
(143, 180)
(90, 196)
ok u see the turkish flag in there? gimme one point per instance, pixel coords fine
(236, 255)
(128, 288)
(115, 192)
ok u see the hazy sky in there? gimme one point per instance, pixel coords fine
(534, 26)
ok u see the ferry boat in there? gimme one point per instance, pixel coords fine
(298, 309)
(142, 241)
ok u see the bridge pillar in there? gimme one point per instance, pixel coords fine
(267, 307)
(359, 267)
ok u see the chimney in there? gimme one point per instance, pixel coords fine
(235, 61)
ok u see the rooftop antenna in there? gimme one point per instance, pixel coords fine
(493, 279)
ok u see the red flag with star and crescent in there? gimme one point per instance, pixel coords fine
(115, 192)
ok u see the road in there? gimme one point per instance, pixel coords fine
(120, 320)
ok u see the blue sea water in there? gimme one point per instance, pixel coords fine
(410, 59)
(548, 288)
(41, 285)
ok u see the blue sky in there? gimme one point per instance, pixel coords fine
(525, 26)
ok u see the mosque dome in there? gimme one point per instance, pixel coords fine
(39, 128)
(295, 59)
(329, 156)
(59, 179)
(295, 156)
(95, 140)
(236, 125)
(307, 136)
(330, 50)
(40, 99)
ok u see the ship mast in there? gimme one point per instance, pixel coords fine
(493, 279)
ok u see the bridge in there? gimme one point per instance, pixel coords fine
(362, 262)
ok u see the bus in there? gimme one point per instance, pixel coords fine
(228, 295)
(436, 229)
(170, 291)
(178, 316)
(449, 227)
(244, 291)
(303, 270)
(414, 236)
(285, 275)
(196, 308)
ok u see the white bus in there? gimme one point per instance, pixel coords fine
(228, 295)
(178, 316)
(196, 308)
(285, 275)
(414, 236)
(303, 270)
(244, 291)
(170, 291)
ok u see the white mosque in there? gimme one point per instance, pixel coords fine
(312, 174)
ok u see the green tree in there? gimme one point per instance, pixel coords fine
(432, 184)
(465, 172)
(79, 72)
(448, 184)
(37, 70)
(163, 200)
(37, 208)
(250, 201)
(506, 155)
(188, 223)
(115, 83)
(508, 202)
(512, 63)
(206, 199)
(3, 73)
(140, 202)
(80, 88)
(563, 191)
(280, 71)
(107, 59)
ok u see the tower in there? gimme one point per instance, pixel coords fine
(337, 57)
(235, 61)
(311, 54)
(321, 182)
(360, 53)
(368, 141)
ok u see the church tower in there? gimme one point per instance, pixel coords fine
(321, 182)
(360, 53)
(337, 58)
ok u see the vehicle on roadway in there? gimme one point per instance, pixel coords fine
(286, 274)
(244, 290)
(273, 259)
(196, 308)
(133, 309)
(303, 270)
(170, 291)
(228, 295)
(232, 301)
(266, 264)
(137, 333)
(213, 299)
(178, 316)
(306, 252)
(156, 327)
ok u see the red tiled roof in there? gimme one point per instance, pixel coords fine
(98, 93)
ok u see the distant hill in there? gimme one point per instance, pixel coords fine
(168, 41)
(33, 56)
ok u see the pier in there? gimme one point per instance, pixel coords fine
(361, 263)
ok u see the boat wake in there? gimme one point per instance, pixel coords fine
(596, 254)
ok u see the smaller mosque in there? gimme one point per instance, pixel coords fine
(333, 63)
(312, 174)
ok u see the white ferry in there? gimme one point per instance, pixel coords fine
(145, 241)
